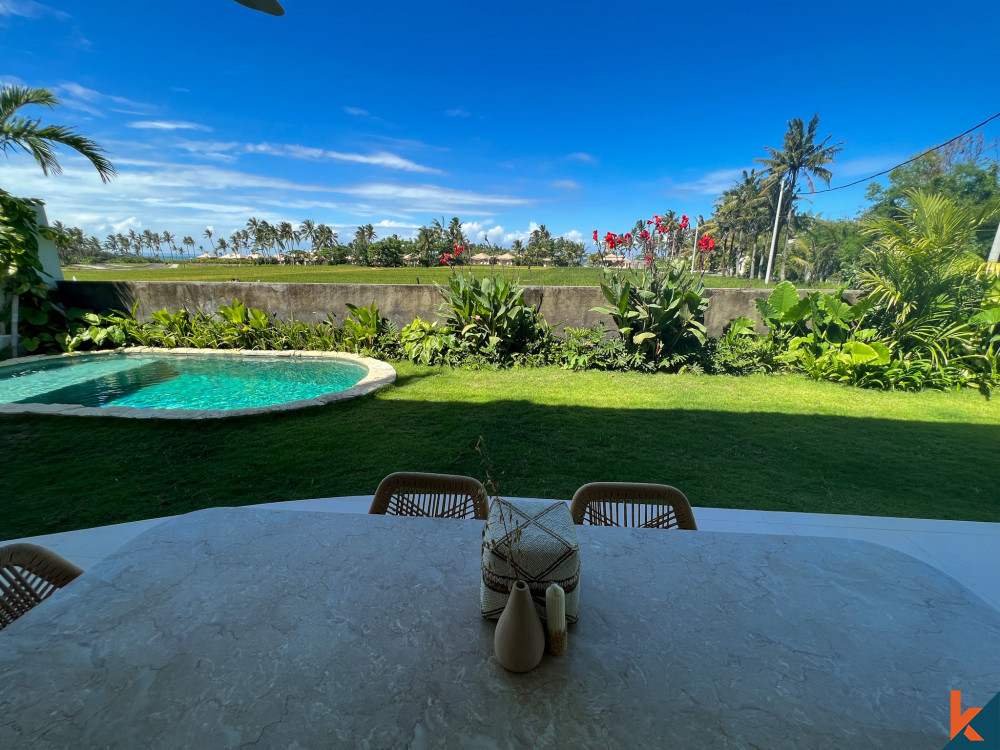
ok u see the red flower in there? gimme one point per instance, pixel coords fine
(649, 258)
(443, 261)
(595, 235)
(610, 238)
(627, 238)
(459, 249)
(648, 222)
(656, 218)
(685, 222)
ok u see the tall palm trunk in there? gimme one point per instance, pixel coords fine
(788, 224)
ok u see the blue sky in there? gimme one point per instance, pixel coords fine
(579, 115)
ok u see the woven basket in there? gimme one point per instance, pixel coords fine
(546, 553)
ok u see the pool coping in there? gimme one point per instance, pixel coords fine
(380, 374)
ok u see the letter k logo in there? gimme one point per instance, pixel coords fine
(960, 721)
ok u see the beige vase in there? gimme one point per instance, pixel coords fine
(520, 639)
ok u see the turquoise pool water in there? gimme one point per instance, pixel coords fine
(149, 381)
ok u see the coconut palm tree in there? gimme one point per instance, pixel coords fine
(208, 236)
(189, 244)
(29, 135)
(800, 155)
(168, 240)
(307, 231)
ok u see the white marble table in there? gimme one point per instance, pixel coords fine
(239, 627)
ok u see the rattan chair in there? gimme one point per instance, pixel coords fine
(28, 575)
(647, 506)
(439, 495)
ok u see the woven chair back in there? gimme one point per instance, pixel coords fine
(647, 506)
(437, 495)
(28, 575)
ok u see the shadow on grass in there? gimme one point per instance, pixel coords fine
(65, 473)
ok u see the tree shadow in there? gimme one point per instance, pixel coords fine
(83, 472)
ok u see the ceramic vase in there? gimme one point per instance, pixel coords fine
(520, 639)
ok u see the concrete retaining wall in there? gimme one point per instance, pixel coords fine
(561, 305)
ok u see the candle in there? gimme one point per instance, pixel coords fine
(555, 618)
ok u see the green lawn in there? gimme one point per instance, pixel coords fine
(769, 443)
(360, 275)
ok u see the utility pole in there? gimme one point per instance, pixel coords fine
(994, 256)
(774, 235)
(694, 246)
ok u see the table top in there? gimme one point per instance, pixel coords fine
(227, 627)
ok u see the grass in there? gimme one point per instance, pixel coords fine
(767, 443)
(361, 275)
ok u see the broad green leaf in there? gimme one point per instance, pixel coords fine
(884, 355)
(783, 297)
(858, 353)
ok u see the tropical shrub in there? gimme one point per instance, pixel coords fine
(923, 277)
(784, 313)
(427, 344)
(659, 313)
(741, 351)
(490, 318)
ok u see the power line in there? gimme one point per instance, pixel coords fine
(904, 163)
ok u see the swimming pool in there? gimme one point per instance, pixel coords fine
(184, 383)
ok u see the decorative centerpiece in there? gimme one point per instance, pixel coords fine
(528, 545)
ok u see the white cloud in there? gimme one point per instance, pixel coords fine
(29, 9)
(565, 184)
(167, 125)
(12, 80)
(573, 235)
(310, 153)
(523, 236)
(392, 224)
(357, 111)
(83, 99)
(216, 150)
(180, 89)
(431, 198)
(123, 226)
(184, 197)
(481, 230)
(584, 157)
(457, 112)
(712, 183)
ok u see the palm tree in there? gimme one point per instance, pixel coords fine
(21, 133)
(189, 244)
(800, 155)
(307, 231)
(168, 240)
(208, 236)
(425, 244)
(363, 237)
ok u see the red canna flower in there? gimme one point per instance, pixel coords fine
(649, 258)
(643, 235)
(685, 222)
(648, 222)
(443, 261)
(627, 238)
(595, 235)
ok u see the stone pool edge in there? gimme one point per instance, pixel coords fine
(380, 374)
